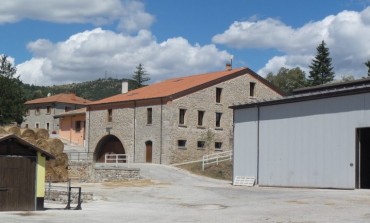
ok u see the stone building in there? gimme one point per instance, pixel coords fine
(177, 120)
(41, 111)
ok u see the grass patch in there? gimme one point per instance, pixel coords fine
(223, 170)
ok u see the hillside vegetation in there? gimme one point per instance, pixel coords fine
(91, 90)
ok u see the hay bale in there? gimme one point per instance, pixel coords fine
(28, 133)
(57, 174)
(43, 144)
(13, 130)
(2, 131)
(61, 159)
(30, 140)
(56, 146)
(41, 133)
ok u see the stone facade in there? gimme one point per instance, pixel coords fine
(39, 116)
(130, 122)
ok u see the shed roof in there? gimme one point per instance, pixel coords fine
(30, 146)
(61, 98)
(182, 85)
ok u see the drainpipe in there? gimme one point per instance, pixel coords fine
(160, 146)
(258, 144)
(134, 158)
(88, 135)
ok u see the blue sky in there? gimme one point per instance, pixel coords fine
(71, 41)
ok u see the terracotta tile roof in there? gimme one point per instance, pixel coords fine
(72, 112)
(174, 86)
(61, 98)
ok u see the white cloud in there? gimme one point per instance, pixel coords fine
(130, 14)
(346, 35)
(88, 55)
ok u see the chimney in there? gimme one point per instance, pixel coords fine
(124, 87)
(228, 66)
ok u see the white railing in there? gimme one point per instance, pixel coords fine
(216, 158)
(116, 160)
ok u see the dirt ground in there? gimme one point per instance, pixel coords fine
(170, 194)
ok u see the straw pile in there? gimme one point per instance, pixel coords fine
(56, 170)
(28, 133)
(13, 130)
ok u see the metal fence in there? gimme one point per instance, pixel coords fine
(116, 160)
(64, 194)
(216, 158)
(80, 156)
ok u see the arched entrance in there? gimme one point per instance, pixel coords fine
(109, 144)
(149, 151)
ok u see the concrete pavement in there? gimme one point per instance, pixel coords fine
(174, 195)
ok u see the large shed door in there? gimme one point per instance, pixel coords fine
(17, 183)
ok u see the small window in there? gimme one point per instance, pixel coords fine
(110, 118)
(78, 126)
(181, 144)
(218, 95)
(47, 126)
(37, 111)
(149, 114)
(252, 87)
(26, 126)
(218, 146)
(37, 125)
(48, 109)
(200, 118)
(182, 116)
(67, 109)
(27, 112)
(200, 144)
(218, 119)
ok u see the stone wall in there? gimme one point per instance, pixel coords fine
(88, 172)
(62, 196)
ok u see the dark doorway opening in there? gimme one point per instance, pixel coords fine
(109, 144)
(149, 151)
(363, 158)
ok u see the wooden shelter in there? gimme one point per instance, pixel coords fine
(22, 174)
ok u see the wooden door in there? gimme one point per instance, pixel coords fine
(17, 183)
(149, 152)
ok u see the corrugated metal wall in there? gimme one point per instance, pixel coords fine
(304, 144)
(245, 148)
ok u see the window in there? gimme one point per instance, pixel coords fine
(37, 111)
(78, 126)
(200, 118)
(149, 113)
(218, 95)
(252, 87)
(218, 146)
(37, 125)
(218, 119)
(27, 112)
(181, 144)
(182, 116)
(47, 126)
(66, 109)
(26, 126)
(48, 109)
(110, 115)
(200, 144)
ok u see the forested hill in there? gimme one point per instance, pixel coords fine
(91, 90)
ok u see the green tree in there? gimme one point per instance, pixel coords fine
(288, 79)
(12, 97)
(321, 69)
(368, 67)
(140, 76)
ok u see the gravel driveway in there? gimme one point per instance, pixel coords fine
(174, 195)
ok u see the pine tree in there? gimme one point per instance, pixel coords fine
(12, 97)
(368, 67)
(321, 69)
(140, 76)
